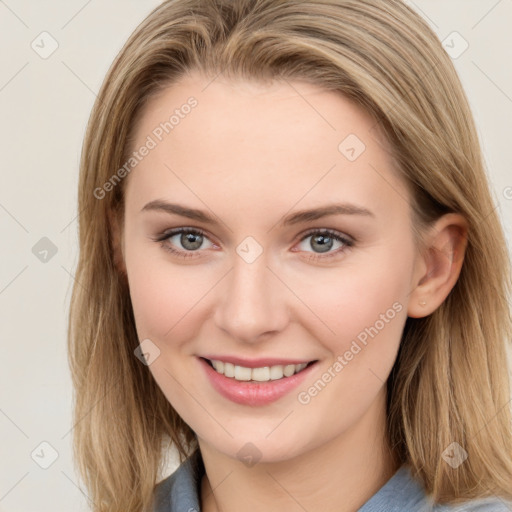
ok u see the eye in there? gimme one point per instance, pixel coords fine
(190, 240)
(322, 241)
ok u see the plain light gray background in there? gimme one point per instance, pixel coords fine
(45, 104)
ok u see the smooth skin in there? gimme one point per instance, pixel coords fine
(250, 154)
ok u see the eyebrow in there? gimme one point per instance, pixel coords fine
(294, 218)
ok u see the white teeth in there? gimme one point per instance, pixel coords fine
(276, 372)
(219, 366)
(229, 369)
(263, 374)
(289, 370)
(242, 373)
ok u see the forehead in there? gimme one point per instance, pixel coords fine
(261, 143)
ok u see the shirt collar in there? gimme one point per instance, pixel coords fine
(180, 492)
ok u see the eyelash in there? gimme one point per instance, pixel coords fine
(347, 242)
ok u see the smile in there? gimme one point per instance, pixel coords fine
(256, 382)
(261, 374)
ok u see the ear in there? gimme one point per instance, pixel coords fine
(439, 264)
(115, 222)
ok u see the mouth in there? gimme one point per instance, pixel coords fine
(256, 382)
(257, 374)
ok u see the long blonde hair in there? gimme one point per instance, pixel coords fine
(450, 380)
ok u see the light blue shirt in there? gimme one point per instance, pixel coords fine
(180, 492)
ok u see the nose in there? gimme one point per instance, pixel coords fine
(253, 302)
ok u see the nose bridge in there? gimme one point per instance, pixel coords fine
(253, 300)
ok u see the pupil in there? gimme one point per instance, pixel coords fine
(324, 241)
(191, 241)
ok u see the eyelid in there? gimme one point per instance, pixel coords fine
(347, 240)
(168, 233)
(186, 229)
(333, 232)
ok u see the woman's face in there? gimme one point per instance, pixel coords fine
(262, 290)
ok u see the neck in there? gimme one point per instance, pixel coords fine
(340, 475)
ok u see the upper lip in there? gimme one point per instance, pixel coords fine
(256, 363)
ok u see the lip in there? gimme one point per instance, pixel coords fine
(254, 393)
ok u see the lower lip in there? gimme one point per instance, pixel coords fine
(250, 392)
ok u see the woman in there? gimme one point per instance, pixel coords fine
(291, 269)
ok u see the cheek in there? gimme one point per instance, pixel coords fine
(163, 295)
(367, 294)
(367, 312)
(371, 304)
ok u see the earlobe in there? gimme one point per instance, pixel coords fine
(440, 264)
(116, 237)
